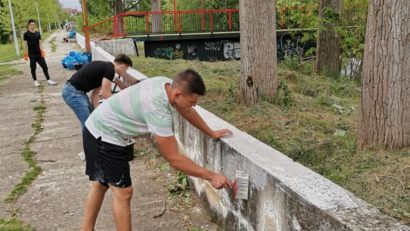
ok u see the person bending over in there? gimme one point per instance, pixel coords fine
(95, 77)
(144, 108)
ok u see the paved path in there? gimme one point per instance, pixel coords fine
(55, 199)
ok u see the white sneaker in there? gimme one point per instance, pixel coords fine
(36, 83)
(51, 82)
(81, 155)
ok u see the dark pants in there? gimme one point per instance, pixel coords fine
(107, 163)
(33, 65)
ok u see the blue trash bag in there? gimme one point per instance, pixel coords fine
(71, 34)
(69, 62)
(75, 60)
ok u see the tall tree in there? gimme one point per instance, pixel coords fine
(385, 101)
(328, 51)
(156, 18)
(258, 50)
(119, 8)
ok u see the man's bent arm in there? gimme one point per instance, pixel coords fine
(106, 88)
(120, 84)
(195, 119)
(95, 99)
(129, 79)
(169, 149)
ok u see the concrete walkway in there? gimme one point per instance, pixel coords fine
(55, 199)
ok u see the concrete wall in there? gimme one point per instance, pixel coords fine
(99, 53)
(118, 46)
(284, 195)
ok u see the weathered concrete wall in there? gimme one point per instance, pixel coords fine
(284, 195)
(118, 46)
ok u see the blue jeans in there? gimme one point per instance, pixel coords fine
(78, 101)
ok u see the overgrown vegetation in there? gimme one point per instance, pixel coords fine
(34, 170)
(6, 71)
(53, 44)
(14, 225)
(50, 11)
(313, 121)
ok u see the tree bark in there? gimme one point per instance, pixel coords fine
(258, 50)
(385, 101)
(328, 50)
(156, 18)
(119, 8)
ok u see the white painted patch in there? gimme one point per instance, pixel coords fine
(296, 225)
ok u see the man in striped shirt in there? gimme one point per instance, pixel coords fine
(143, 108)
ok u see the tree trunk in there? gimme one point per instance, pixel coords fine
(328, 48)
(119, 8)
(156, 18)
(385, 101)
(258, 50)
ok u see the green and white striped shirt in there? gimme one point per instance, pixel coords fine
(139, 109)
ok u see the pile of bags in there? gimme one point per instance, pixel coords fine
(75, 60)
(71, 34)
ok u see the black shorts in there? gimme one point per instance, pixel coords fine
(107, 163)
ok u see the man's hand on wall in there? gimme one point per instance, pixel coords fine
(219, 181)
(221, 133)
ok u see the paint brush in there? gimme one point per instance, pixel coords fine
(240, 189)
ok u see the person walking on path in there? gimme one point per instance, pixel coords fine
(144, 108)
(33, 51)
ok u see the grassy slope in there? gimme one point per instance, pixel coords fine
(6, 70)
(305, 131)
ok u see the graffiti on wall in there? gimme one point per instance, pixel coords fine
(290, 46)
(194, 49)
(232, 50)
(213, 46)
(169, 52)
(211, 49)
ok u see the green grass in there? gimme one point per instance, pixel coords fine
(14, 225)
(304, 123)
(6, 71)
(53, 44)
(8, 52)
(34, 170)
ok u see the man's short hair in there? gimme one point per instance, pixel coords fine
(191, 81)
(123, 59)
(31, 21)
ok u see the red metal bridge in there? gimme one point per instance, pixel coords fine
(168, 22)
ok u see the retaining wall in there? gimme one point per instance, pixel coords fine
(284, 195)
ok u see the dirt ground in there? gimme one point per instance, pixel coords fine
(54, 201)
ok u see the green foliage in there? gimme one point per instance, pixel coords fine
(14, 225)
(297, 13)
(352, 33)
(50, 11)
(283, 95)
(181, 185)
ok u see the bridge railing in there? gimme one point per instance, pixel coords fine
(166, 22)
